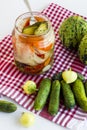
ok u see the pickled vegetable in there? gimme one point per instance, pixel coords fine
(43, 27)
(34, 54)
(30, 29)
(36, 29)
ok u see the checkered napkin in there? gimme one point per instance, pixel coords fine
(12, 79)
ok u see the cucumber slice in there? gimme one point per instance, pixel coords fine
(30, 29)
(43, 27)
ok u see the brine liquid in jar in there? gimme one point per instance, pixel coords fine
(33, 44)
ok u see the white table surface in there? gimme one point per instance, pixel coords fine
(9, 11)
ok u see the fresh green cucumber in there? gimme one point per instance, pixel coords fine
(80, 95)
(43, 93)
(54, 98)
(68, 95)
(8, 107)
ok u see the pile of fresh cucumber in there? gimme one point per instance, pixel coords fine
(50, 91)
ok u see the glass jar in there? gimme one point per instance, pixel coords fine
(33, 54)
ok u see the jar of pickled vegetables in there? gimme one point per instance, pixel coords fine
(33, 43)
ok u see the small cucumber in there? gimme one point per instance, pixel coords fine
(43, 94)
(54, 98)
(68, 95)
(8, 107)
(31, 28)
(43, 27)
(80, 95)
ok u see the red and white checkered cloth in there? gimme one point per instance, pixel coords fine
(12, 79)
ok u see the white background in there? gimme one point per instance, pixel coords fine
(9, 11)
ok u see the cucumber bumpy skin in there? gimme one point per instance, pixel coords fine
(8, 107)
(82, 50)
(68, 95)
(54, 98)
(72, 31)
(43, 93)
(80, 95)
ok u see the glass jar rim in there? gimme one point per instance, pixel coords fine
(36, 13)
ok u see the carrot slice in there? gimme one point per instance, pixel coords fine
(39, 19)
(35, 38)
(47, 48)
(31, 48)
(27, 23)
(40, 55)
(37, 41)
(47, 61)
(28, 39)
(22, 39)
(29, 42)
